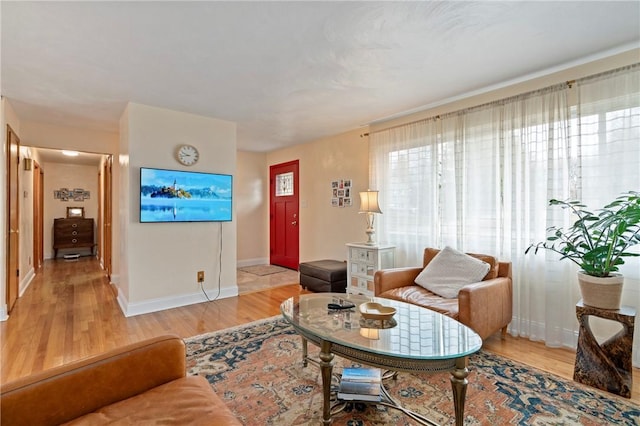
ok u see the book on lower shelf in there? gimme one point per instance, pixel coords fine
(361, 384)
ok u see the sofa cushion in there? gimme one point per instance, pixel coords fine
(419, 296)
(449, 271)
(185, 401)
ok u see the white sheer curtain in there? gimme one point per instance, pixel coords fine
(480, 179)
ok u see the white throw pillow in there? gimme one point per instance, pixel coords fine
(449, 271)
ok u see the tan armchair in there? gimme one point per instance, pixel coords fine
(485, 307)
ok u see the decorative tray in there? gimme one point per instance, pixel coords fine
(376, 311)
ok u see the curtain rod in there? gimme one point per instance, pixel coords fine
(471, 108)
(568, 83)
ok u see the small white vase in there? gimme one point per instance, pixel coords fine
(603, 293)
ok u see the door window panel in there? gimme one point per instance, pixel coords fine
(284, 184)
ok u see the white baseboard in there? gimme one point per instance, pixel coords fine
(161, 304)
(26, 281)
(252, 262)
(22, 287)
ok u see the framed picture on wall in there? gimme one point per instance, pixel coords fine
(75, 212)
(65, 194)
(78, 194)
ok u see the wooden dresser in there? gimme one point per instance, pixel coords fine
(72, 233)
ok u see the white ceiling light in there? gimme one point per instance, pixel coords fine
(70, 153)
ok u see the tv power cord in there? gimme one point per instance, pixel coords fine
(201, 282)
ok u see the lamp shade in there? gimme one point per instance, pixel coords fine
(369, 202)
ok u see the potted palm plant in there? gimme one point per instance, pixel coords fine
(598, 243)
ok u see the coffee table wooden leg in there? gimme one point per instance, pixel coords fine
(326, 369)
(304, 352)
(459, 385)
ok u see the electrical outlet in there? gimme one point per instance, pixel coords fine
(200, 276)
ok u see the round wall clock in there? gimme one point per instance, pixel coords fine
(187, 155)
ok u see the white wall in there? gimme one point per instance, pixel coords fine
(59, 175)
(160, 260)
(251, 186)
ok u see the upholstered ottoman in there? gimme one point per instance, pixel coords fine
(324, 276)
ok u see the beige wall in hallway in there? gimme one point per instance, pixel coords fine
(70, 176)
(43, 135)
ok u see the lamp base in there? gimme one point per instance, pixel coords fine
(370, 241)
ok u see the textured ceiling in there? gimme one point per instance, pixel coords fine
(287, 72)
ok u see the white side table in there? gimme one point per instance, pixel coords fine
(363, 261)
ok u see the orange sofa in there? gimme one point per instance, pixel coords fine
(485, 306)
(142, 383)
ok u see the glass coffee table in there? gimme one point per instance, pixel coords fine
(414, 339)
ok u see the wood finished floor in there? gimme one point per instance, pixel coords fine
(70, 312)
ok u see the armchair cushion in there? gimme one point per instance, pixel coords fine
(449, 271)
(419, 296)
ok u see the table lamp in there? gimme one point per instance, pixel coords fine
(369, 205)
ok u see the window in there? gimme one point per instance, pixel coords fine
(284, 184)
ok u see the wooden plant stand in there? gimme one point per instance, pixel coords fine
(605, 366)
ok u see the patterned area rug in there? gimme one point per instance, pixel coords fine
(263, 270)
(257, 370)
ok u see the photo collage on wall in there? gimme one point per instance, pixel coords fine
(77, 194)
(341, 193)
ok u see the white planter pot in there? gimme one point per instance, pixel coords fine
(603, 293)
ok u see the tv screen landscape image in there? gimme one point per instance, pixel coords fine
(180, 196)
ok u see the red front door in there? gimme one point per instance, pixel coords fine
(284, 220)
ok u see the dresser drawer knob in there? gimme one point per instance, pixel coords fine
(74, 225)
(74, 233)
(74, 241)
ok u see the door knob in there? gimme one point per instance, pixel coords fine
(294, 223)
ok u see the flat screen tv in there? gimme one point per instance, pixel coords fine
(181, 196)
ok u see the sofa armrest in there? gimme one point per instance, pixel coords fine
(387, 279)
(486, 306)
(63, 393)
